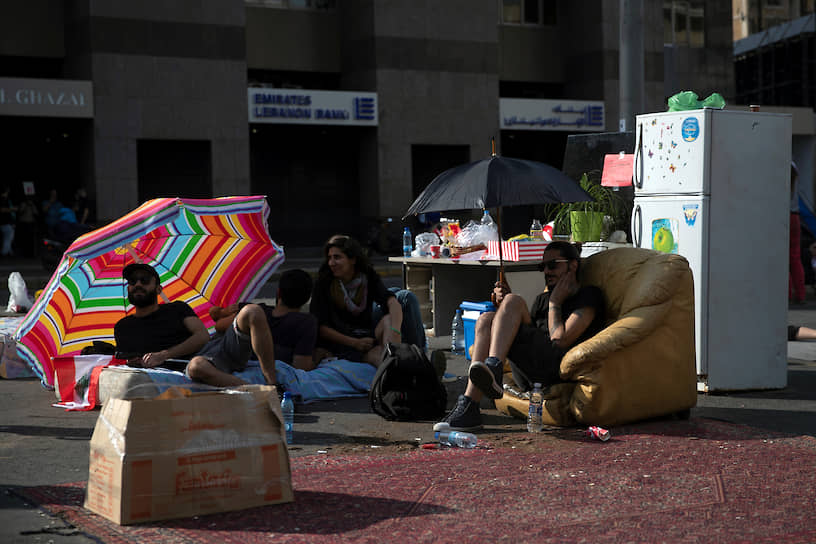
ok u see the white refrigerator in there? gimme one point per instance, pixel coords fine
(714, 187)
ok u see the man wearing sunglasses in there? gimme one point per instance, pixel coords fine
(535, 341)
(158, 333)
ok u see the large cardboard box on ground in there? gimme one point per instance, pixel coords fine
(198, 454)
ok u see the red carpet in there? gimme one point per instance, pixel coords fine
(681, 481)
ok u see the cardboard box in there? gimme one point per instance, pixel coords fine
(203, 453)
(524, 250)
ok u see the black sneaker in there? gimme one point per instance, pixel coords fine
(465, 416)
(487, 376)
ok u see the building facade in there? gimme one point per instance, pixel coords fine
(340, 111)
(754, 16)
(775, 68)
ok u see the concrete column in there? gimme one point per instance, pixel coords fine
(631, 63)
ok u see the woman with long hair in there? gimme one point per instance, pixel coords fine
(349, 297)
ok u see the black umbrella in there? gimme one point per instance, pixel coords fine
(496, 182)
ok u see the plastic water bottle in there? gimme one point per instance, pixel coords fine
(534, 424)
(535, 230)
(407, 243)
(458, 333)
(288, 409)
(487, 220)
(456, 438)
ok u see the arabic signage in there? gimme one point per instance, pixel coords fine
(541, 114)
(46, 97)
(306, 107)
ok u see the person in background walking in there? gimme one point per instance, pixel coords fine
(51, 212)
(7, 220)
(82, 207)
(796, 273)
(799, 333)
(27, 216)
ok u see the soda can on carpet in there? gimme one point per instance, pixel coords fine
(598, 432)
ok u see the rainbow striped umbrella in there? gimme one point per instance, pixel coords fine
(207, 252)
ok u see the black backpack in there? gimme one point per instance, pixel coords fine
(406, 387)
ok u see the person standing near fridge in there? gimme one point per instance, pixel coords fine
(796, 275)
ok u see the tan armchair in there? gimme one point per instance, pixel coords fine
(642, 364)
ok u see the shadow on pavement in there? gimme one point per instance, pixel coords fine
(782, 421)
(54, 432)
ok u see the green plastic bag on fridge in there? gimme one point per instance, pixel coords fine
(688, 100)
(714, 100)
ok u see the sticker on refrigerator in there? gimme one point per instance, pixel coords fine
(690, 129)
(690, 213)
(664, 235)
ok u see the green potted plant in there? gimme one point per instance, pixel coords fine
(585, 220)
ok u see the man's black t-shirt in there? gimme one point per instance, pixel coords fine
(587, 297)
(157, 331)
(533, 357)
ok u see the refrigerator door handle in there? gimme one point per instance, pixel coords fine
(639, 158)
(637, 226)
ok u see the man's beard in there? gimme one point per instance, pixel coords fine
(143, 299)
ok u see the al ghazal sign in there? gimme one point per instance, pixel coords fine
(543, 114)
(46, 97)
(309, 107)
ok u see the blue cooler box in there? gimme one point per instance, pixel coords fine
(470, 313)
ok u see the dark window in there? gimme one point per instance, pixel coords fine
(530, 89)
(511, 11)
(323, 5)
(174, 168)
(680, 27)
(293, 80)
(684, 22)
(310, 176)
(428, 161)
(668, 32)
(30, 67)
(53, 153)
(529, 12)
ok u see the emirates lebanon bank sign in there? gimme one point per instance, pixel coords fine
(312, 107)
(46, 97)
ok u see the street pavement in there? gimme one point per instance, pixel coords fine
(43, 445)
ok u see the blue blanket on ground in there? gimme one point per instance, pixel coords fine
(330, 380)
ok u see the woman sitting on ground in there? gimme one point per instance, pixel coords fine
(349, 297)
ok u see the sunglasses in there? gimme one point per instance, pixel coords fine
(550, 265)
(144, 280)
